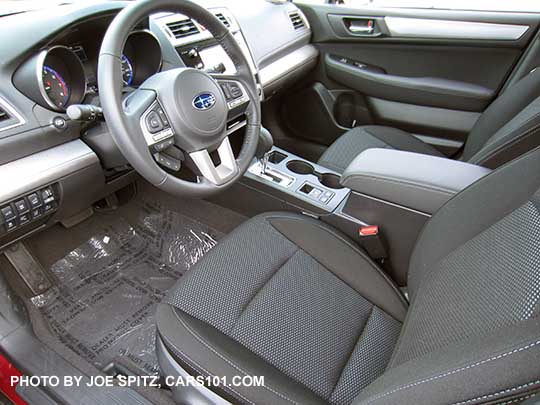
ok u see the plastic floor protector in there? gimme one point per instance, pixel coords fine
(107, 290)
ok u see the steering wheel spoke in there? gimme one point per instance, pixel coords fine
(222, 173)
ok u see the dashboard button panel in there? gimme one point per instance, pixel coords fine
(25, 209)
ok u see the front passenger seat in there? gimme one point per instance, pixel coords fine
(289, 298)
(509, 127)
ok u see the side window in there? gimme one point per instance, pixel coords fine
(473, 5)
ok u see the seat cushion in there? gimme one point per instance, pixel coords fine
(343, 151)
(290, 298)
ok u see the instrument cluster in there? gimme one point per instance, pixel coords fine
(60, 75)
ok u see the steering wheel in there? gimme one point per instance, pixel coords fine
(184, 108)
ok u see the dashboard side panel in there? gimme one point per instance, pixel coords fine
(43, 168)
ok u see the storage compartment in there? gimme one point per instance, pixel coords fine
(413, 180)
(276, 157)
(350, 110)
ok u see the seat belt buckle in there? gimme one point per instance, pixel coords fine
(372, 241)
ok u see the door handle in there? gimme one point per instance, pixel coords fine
(366, 29)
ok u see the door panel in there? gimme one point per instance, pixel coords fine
(429, 91)
(485, 67)
(429, 72)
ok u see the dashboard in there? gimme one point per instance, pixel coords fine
(45, 71)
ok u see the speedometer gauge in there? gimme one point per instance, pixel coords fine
(127, 71)
(55, 86)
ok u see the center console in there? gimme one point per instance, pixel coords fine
(297, 181)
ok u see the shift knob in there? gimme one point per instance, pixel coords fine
(265, 143)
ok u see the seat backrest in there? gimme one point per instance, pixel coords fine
(509, 127)
(472, 332)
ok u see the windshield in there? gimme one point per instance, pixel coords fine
(8, 7)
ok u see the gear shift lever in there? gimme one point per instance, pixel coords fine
(263, 148)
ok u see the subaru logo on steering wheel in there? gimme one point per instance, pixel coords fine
(204, 101)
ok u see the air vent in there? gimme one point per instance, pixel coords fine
(223, 20)
(183, 28)
(9, 117)
(297, 20)
(4, 116)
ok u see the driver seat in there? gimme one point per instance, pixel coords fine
(291, 299)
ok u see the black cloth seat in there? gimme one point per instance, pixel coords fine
(290, 298)
(509, 127)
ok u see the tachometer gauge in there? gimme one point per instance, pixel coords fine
(54, 78)
(127, 71)
(55, 86)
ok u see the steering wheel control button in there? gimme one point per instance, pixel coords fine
(168, 162)
(21, 206)
(226, 91)
(163, 117)
(7, 213)
(153, 122)
(161, 146)
(234, 94)
(235, 91)
(163, 135)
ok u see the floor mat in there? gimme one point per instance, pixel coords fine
(107, 290)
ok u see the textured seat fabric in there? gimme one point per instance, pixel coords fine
(508, 128)
(327, 323)
(346, 148)
(472, 333)
(291, 299)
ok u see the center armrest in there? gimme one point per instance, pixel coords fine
(413, 180)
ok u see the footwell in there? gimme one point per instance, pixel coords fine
(103, 303)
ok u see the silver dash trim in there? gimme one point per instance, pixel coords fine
(276, 70)
(449, 29)
(26, 174)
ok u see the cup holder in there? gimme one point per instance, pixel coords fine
(300, 167)
(330, 180)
